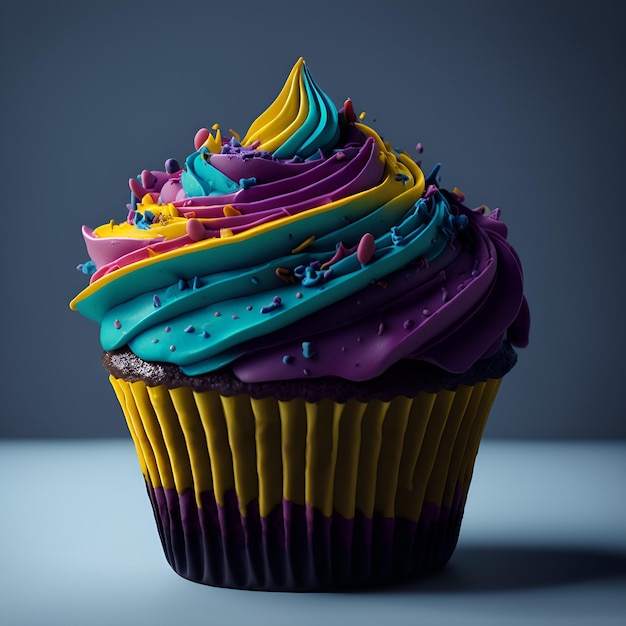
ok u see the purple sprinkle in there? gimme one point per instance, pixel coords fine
(306, 372)
(167, 329)
(408, 324)
(156, 301)
(249, 307)
(444, 294)
(217, 314)
(381, 329)
(425, 312)
(190, 329)
(419, 148)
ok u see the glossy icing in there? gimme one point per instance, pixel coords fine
(308, 248)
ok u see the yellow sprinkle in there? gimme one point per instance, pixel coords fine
(362, 115)
(112, 224)
(151, 252)
(229, 210)
(234, 133)
(226, 232)
(305, 244)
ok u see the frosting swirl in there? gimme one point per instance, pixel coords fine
(308, 248)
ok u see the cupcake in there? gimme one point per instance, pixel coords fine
(305, 334)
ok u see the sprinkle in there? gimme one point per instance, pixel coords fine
(249, 307)
(197, 283)
(229, 210)
(425, 312)
(305, 244)
(217, 314)
(444, 294)
(246, 183)
(287, 359)
(286, 275)
(155, 340)
(87, 268)
(419, 148)
(362, 115)
(366, 248)
(276, 303)
(234, 316)
(255, 280)
(306, 372)
(359, 339)
(156, 301)
(408, 324)
(348, 111)
(340, 156)
(195, 229)
(182, 284)
(167, 329)
(190, 329)
(172, 348)
(308, 349)
(381, 329)
(205, 334)
(172, 166)
(226, 232)
(298, 294)
(459, 194)
(117, 324)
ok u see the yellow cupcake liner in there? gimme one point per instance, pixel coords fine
(387, 458)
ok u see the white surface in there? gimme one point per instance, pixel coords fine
(543, 542)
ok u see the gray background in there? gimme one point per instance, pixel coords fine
(522, 102)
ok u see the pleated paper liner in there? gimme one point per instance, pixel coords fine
(294, 495)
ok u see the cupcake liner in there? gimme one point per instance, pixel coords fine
(296, 495)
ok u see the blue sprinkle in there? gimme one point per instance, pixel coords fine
(156, 301)
(88, 268)
(308, 349)
(190, 329)
(182, 284)
(246, 183)
(287, 359)
(155, 341)
(205, 334)
(197, 283)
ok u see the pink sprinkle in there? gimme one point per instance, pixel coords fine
(381, 329)
(172, 348)
(167, 329)
(117, 324)
(419, 148)
(217, 314)
(249, 307)
(298, 295)
(235, 317)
